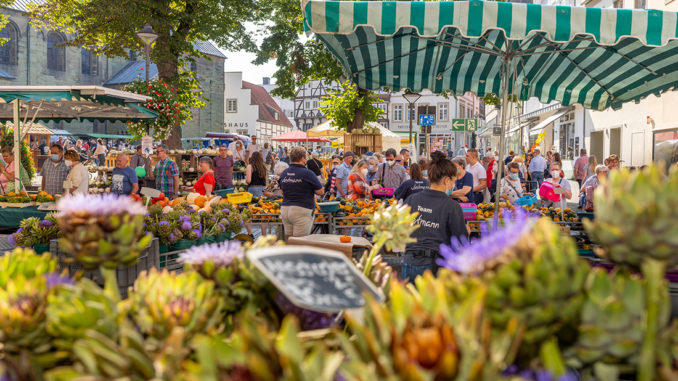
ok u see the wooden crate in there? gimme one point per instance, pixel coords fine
(362, 143)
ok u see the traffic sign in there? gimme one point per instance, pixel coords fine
(464, 124)
(496, 131)
(427, 119)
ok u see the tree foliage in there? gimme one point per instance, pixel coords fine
(350, 107)
(110, 27)
(7, 141)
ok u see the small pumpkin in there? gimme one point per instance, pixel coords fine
(345, 239)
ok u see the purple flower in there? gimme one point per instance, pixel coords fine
(468, 257)
(222, 227)
(186, 225)
(242, 223)
(45, 224)
(226, 211)
(197, 233)
(201, 211)
(54, 279)
(147, 232)
(539, 375)
(163, 223)
(19, 231)
(185, 217)
(171, 237)
(221, 254)
(99, 205)
(12, 239)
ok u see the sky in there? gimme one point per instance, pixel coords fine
(242, 61)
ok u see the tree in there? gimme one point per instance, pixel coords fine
(350, 107)
(109, 27)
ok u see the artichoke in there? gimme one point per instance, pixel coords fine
(532, 273)
(380, 272)
(71, 311)
(24, 262)
(102, 231)
(34, 231)
(161, 301)
(637, 216)
(612, 324)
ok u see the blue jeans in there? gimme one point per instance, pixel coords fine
(539, 178)
(412, 271)
(256, 190)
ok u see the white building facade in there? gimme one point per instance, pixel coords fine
(250, 110)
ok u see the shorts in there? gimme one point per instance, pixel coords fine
(256, 190)
(296, 220)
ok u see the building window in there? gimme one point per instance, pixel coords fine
(618, 4)
(307, 105)
(56, 52)
(89, 62)
(398, 113)
(443, 111)
(194, 67)
(640, 4)
(462, 111)
(231, 105)
(8, 50)
(382, 107)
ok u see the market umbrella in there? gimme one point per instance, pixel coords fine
(598, 58)
(298, 136)
(67, 103)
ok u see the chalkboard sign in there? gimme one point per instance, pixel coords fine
(315, 279)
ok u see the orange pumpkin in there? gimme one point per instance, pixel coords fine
(345, 239)
(200, 201)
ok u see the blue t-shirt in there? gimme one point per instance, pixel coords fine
(298, 185)
(122, 180)
(343, 171)
(466, 181)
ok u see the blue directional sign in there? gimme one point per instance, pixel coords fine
(427, 119)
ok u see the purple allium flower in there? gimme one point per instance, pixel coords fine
(163, 223)
(147, 232)
(12, 239)
(99, 205)
(221, 254)
(186, 225)
(197, 233)
(54, 279)
(201, 211)
(467, 257)
(242, 223)
(45, 224)
(226, 211)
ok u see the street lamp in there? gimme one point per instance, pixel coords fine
(411, 98)
(148, 36)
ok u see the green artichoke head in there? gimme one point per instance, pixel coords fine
(25, 262)
(22, 315)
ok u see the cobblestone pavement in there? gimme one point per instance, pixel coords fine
(4, 243)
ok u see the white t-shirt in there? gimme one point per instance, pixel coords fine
(562, 204)
(253, 148)
(477, 171)
(239, 154)
(79, 178)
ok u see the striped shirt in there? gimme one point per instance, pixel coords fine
(54, 174)
(164, 172)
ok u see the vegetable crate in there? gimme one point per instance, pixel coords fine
(126, 276)
(170, 261)
(349, 222)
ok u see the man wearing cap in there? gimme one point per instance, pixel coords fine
(343, 172)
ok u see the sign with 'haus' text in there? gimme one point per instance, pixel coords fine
(316, 279)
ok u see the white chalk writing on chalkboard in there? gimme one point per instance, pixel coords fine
(314, 278)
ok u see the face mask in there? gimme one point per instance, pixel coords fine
(514, 176)
(555, 174)
(364, 172)
(448, 192)
(371, 169)
(68, 163)
(424, 172)
(390, 162)
(54, 157)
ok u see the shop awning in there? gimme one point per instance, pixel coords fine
(517, 127)
(536, 130)
(596, 57)
(108, 136)
(67, 103)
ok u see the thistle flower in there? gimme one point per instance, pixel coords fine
(226, 211)
(54, 279)
(221, 254)
(12, 239)
(45, 224)
(467, 257)
(186, 225)
(98, 206)
(162, 223)
(197, 233)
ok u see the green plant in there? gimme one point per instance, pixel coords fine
(33, 231)
(7, 141)
(344, 107)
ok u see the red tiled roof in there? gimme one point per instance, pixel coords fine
(263, 99)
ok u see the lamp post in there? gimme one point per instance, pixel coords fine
(148, 36)
(411, 98)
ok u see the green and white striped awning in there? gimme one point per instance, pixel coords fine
(596, 57)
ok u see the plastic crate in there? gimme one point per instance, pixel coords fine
(329, 206)
(148, 259)
(383, 192)
(170, 261)
(470, 210)
(223, 192)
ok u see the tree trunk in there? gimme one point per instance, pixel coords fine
(359, 118)
(168, 71)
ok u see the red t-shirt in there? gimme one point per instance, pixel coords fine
(207, 178)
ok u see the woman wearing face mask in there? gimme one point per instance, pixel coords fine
(372, 168)
(440, 219)
(591, 184)
(464, 182)
(511, 188)
(78, 175)
(416, 183)
(558, 182)
(358, 187)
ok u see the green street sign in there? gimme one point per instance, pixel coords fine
(464, 124)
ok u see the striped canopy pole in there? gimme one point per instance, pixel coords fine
(17, 146)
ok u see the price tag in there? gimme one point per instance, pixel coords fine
(150, 193)
(147, 145)
(316, 279)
